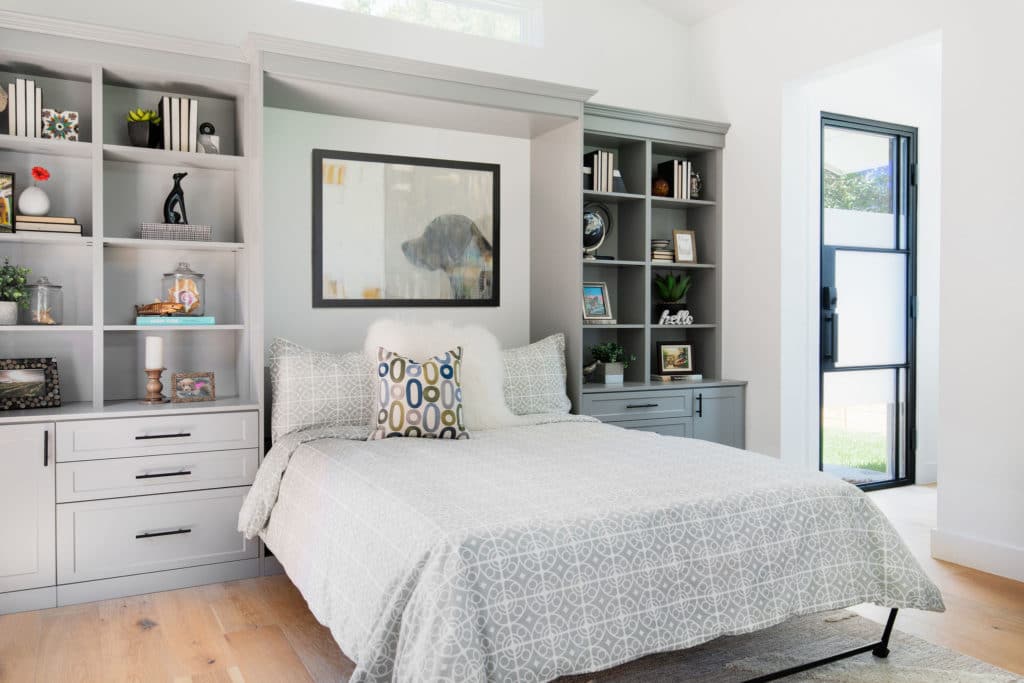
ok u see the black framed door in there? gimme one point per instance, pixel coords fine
(868, 275)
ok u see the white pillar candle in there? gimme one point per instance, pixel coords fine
(154, 353)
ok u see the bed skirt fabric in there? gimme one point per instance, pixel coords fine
(568, 546)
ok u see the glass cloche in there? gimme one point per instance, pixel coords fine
(45, 304)
(187, 287)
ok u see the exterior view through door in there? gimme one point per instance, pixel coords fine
(868, 220)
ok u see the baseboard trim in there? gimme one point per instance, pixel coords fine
(993, 558)
(104, 589)
(28, 600)
(926, 473)
(271, 566)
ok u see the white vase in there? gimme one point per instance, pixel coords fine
(33, 202)
(8, 313)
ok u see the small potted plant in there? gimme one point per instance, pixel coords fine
(143, 127)
(612, 361)
(13, 292)
(671, 289)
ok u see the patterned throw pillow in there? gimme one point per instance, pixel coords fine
(535, 377)
(420, 399)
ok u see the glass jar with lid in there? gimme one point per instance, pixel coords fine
(186, 287)
(45, 304)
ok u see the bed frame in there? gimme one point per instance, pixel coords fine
(879, 649)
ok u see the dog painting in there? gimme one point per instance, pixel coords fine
(404, 231)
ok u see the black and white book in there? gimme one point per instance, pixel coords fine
(193, 124)
(39, 113)
(165, 120)
(593, 160)
(30, 108)
(183, 122)
(175, 123)
(12, 117)
(20, 110)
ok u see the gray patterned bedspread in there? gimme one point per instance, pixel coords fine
(569, 546)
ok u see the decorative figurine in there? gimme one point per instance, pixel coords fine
(660, 187)
(208, 141)
(696, 185)
(175, 202)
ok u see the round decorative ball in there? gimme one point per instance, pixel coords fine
(660, 188)
(33, 202)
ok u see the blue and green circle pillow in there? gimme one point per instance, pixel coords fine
(420, 399)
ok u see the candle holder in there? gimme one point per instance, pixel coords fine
(154, 388)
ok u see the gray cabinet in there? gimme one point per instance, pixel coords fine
(718, 415)
(27, 497)
(713, 411)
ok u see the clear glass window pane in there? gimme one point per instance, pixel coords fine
(871, 308)
(858, 189)
(862, 420)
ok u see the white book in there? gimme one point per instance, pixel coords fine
(30, 109)
(12, 108)
(39, 112)
(183, 122)
(175, 123)
(193, 124)
(165, 119)
(608, 172)
(20, 89)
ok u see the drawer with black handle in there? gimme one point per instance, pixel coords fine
(616, 406)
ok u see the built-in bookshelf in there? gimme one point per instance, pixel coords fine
(111, 187)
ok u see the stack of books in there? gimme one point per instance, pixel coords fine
(676, 172)
(56, 224)
(661, 250)
(180, 117)
(24, 109)
(174, 320)
(602, 170)
(693, 377)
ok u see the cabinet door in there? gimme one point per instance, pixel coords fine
(27, 507)
(718, 415)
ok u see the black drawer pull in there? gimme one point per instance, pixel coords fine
(182, 473)
(641, 405)
(163, 436)
(154, 534)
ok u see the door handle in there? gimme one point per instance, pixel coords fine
(182, 435)
(155, 534)
(46, 448)
(182, 473)
(700, 405)
(641, 405)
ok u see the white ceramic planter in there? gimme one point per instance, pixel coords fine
(33, 202)
(8, 313)
(610, 373)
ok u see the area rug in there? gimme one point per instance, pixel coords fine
(739, 658)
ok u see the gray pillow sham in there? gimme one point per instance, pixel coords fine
(535, 377)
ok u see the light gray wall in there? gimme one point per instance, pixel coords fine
(290, 137)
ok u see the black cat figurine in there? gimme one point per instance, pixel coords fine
(175, 202)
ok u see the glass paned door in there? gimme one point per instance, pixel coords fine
(868, 195)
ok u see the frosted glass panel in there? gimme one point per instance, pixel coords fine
(858, 189)
(861, 417)
(871, 308)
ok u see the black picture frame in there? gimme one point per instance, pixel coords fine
(9, 225)
(319, 301)
(672, 371)
(47, 397)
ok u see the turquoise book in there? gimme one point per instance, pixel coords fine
(174, 321)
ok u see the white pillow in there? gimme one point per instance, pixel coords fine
(483, 398)
(535, 377)
(311, 388)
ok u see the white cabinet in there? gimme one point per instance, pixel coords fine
(27, 507)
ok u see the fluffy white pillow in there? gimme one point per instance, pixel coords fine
(483, 396)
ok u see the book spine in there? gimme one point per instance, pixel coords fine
(183, 121)
(193, 124)
(39, 112)
(12, 104)
(165, 120)
(166, 321)
(175, 124)
(30, 109)
(20, 86)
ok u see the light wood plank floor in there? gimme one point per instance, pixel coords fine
(261, 630)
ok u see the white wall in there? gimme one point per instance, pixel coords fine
(289, 138)
(742, 76)
(631, 53)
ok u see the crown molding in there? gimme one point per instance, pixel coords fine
(655, 119)
(116, 36)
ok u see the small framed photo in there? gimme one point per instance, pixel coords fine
(596, 303)
(675, 358)
(685, 243)
(29, 383)
(6, 202)
(191, 387)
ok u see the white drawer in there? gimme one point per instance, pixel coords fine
(107, 538)
(95, 479)
(133, 436)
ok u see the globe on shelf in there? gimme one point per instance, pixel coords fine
(597, 225)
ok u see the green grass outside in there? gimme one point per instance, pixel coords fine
(863, 450)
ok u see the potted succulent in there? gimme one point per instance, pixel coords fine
(612, 361)
(671, 288)
(143, 127)
(13, 292)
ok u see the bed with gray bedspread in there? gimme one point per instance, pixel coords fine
(567, 546)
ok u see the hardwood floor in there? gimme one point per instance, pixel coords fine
(261, 630)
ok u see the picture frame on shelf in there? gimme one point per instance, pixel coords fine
(29, 383)
(7, 190)
(193, 387)
(684, 243)
(597, 304)
(675, 358)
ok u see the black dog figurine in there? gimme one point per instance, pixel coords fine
(175, 202)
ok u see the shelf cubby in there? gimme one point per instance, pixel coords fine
(625, 285)
(65, 87)
(631, 338)
(705, 345)
(629, 157)
(705, 163)
(72, 347)
(69, 187)
(625, 240)
(66, 264)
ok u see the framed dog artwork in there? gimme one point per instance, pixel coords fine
(404, 231)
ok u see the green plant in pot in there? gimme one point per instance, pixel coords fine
(612, 361)
(672, 288)
(13, 292)
(143, 127)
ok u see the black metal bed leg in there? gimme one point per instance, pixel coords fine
(882, 649)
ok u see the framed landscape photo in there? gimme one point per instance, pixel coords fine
(6, 202)
(596, 304)
(29, 383)
(675, 358)
(192, 387)
(404, 231)
(685, 244)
